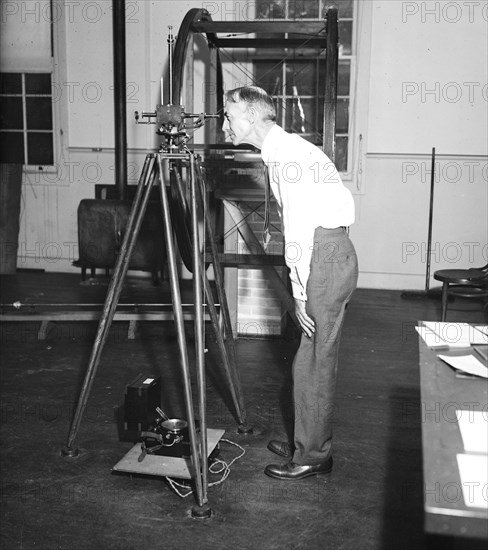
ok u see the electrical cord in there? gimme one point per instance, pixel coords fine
(220, 464)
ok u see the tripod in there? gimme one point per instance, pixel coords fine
(156, 170)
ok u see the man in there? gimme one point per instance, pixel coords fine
(315, 210)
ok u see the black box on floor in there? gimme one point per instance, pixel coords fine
(142, 397)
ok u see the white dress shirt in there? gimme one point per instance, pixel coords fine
(309, 192)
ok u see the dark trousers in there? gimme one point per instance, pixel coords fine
(333, 279)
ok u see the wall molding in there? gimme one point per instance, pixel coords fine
(438, 156)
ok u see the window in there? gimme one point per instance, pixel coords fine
(296, 81)
(26, 118)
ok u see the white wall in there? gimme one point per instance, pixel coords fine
(427, 88)
(421, 83)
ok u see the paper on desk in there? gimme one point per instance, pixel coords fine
(466, 363)
(456, 334)
(473, 426)
(473, 471)
(430, 338)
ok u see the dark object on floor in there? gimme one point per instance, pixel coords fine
(142, 397)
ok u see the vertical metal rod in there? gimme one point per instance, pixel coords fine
(180, 328)
(120, 96)
(431, 210)
(199, 327)
(171, 41)
(113, 293)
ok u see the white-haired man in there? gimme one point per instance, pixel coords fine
(315, 209)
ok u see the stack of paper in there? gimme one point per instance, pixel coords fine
(473, 471)
(473, 426)
(431, 339)
(454, 335)
(473, 463)
(466, 363)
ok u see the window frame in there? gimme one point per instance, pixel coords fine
(24, 95)
(47, 65)
(260, 55)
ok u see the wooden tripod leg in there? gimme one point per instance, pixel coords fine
(182, 347)
(133, 226)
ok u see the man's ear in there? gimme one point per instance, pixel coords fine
(252, 114)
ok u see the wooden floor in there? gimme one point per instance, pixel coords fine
(372, 500)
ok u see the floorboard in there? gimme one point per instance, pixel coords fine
(372, 500)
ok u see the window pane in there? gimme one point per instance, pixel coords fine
(342, 116)
(271, 9)
(38, 84)
(320, 115)
(39, 113)
(11, 117)
(40, 147)
(300, 117)
(345, 38)
(341, 153)
(343, 77)
(300, 9)
(269, 76)
(10, 83)
(300, 78)
(12, 147)
(345, 7)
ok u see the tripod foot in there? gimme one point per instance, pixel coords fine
(69, 452)
(245, 428)
(201, 512)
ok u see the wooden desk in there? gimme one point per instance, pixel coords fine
(442, 392)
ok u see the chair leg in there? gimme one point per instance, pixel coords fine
(445, 286)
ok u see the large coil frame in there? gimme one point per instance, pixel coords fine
(179, 173)
(198, 21)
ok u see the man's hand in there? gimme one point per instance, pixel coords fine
(306, 323)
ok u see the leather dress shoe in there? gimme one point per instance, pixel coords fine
(292, 471)
(281, 448)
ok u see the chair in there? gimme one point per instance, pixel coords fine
(466, 283)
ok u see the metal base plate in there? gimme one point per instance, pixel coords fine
(155, 465)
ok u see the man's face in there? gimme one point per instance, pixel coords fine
(237, 125)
